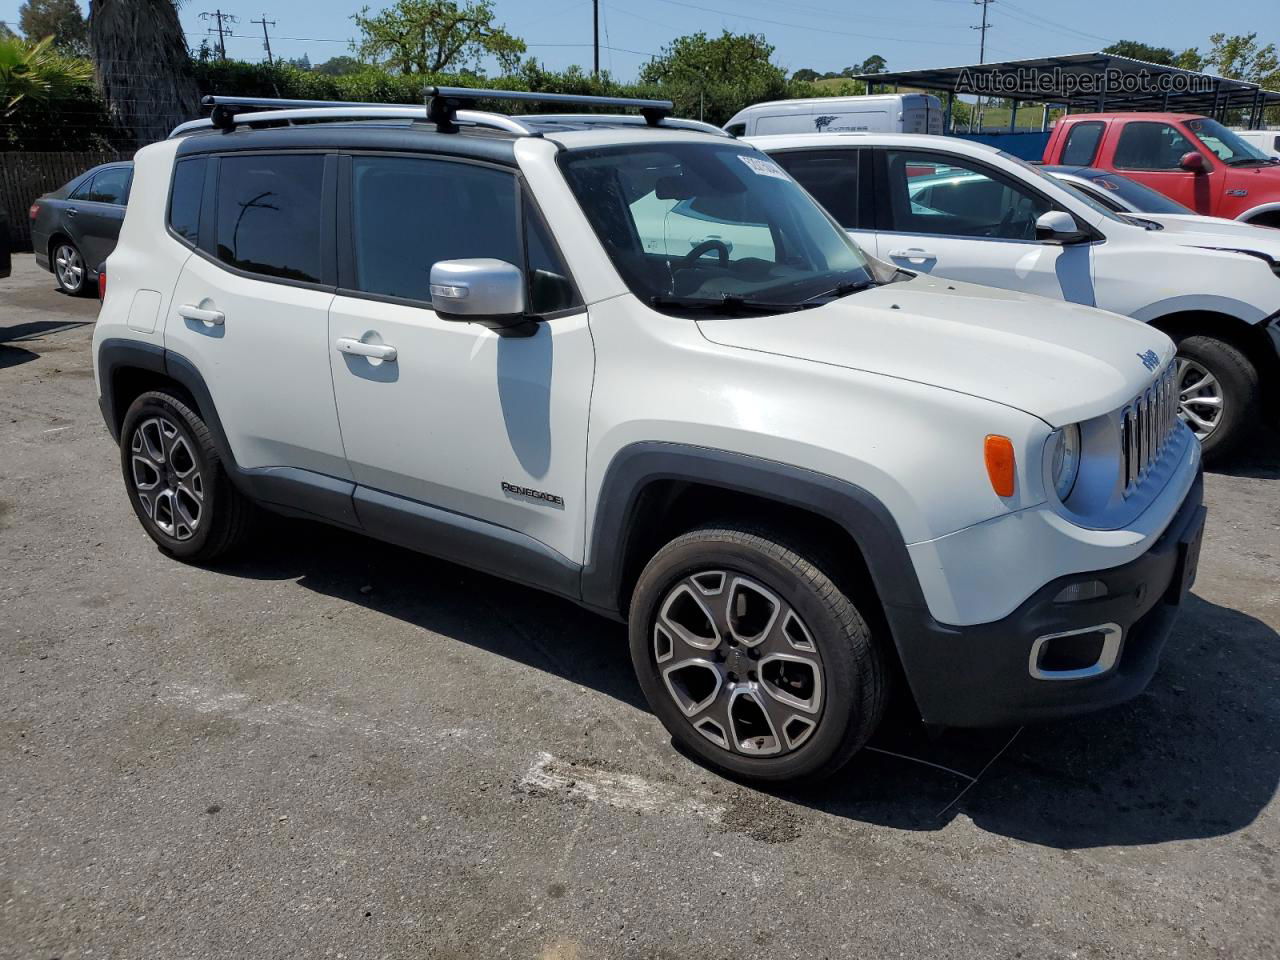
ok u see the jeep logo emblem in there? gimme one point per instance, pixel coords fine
(821, 123)
(1150, 359)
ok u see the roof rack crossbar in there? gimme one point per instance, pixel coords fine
(227, 113)
(442, 102)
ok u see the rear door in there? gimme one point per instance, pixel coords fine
(840, 180)
(251, 307)
(1151, 151)
(95, 210)
(953, 216)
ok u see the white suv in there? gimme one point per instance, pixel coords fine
(966, 211)
(791, 468)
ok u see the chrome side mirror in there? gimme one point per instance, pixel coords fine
(485, 291)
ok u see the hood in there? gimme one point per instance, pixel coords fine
(1061, 362)
(1186, 228)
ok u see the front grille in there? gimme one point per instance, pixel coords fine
(1148, 423)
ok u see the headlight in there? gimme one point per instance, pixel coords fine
(1064, 459)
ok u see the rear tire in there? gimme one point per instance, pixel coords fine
(752, 657)
(1218, 394)
(69, 268)
(176, 481)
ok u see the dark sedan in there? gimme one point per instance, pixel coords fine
(74, 228)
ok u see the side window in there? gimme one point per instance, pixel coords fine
(82, 192)
(1145, 145)
(184, 199)
(831, 176)
(1081, 145)
(949, 196)
(269, 212)
(409, 213)
(550, 288)
(111, 186)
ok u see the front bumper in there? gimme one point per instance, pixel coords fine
(982, 675)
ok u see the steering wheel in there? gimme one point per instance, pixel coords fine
(706, 246)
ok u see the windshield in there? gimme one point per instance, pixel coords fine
(1080, 195)
(1229, 148)
(697, 223)
(1136, 196)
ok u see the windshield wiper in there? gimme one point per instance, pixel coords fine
(727, 304)
(844, 289)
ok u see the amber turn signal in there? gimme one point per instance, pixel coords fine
(1000, 463)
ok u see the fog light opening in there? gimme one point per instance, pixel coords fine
(1076, 654)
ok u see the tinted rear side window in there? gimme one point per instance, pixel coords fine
(269, 214)
(409, 213)
(1081, 145)
(184, 200)
(831, 176)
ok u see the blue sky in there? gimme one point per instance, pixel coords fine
(823, 34)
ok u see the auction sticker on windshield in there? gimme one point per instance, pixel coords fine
(763, 167)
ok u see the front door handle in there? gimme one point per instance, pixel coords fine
(375, 351)
(72, 211)
(912, 253)
(190, 311)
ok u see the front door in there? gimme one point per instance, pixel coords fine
(1151, 153)
(485, 424)
(98, 212)
(951, 216)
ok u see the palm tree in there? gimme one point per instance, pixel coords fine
(36, 71)
(142, 65)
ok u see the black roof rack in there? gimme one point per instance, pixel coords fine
(446, 107)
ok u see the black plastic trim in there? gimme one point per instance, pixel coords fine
(113, 355)
(365, 135)
(466, 540)
(634, 467)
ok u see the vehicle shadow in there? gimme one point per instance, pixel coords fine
(14, 356)
(1194, 756)
(1259, 459)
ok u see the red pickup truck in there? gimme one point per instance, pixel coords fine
(1193, 160)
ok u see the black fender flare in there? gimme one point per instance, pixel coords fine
(866, 520)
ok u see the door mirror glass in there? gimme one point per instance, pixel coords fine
(483, 290)
(1058, 226)
(1193, 161)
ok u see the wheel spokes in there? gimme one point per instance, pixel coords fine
(167, 478)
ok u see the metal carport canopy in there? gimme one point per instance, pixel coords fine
(1098, 81)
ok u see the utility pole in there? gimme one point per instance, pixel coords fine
(595, 32)
(982, 55)
(982, 44)
(222, 31)
(266, 39)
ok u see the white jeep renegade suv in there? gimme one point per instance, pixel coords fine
(790, 467)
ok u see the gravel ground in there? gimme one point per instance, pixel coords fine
(332, 748)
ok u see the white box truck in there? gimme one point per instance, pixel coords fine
(881, 113)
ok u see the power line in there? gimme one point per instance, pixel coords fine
(222, 31)
(266, 38)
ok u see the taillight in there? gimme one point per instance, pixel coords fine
(102, 285)
(34, 211)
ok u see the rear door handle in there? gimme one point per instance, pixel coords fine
(911, 253)
(376, 351)
(72, 211)
(191, 312)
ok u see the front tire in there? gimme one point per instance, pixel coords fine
(177, 484)
(752, 657)
(1218, 394)
(69, 268)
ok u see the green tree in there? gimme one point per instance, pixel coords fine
(36, 71)
(713, 78)
(339, 66)
(805, 75)
(60, 19)
(1136, 50)
(430, 36)
(873, 64)
(1241, 58)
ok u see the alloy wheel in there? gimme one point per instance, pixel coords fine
(1200, 398)
(739, 662)
(69, 266)
(167, 478)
